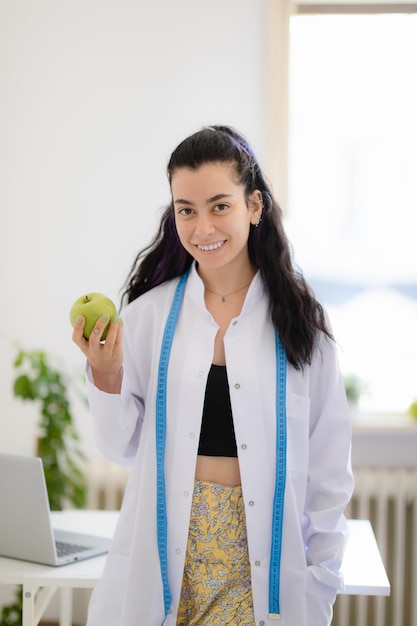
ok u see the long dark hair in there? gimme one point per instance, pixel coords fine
(295, 312)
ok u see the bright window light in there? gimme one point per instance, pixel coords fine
(352, 203)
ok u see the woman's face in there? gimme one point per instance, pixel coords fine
(212, 215)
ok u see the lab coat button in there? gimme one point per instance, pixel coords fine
(192, 435)
(243, 446)
(185, 493)
(201, 373)
(177, 551)
(262, 623)
(237, 386)
(257, 563)
(251, 503)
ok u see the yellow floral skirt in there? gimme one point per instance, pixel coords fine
(216, 586)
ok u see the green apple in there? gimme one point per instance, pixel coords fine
(92, 306)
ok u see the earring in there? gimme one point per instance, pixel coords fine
(260, 217)
(259, 204)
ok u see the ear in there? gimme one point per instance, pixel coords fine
(255, 207)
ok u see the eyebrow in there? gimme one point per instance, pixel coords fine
(215, 198)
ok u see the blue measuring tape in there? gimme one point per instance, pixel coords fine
(161, 414)
(281, 465)
(281, 454)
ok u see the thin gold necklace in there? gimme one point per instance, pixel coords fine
(227, 295)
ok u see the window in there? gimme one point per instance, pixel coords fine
(352, 189)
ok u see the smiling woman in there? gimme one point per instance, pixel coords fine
(230, 406)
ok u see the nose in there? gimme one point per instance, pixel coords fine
(204, 227)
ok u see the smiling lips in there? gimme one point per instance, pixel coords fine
(210, 247)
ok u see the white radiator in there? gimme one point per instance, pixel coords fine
(106, 484)
(387, 497)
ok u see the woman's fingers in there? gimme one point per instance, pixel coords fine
(106, 357)
(77, 334)
(114, 335)
(106, 354)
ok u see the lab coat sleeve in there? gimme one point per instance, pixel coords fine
(118, 418)
(330, 484)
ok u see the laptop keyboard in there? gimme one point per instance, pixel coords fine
(65, 549)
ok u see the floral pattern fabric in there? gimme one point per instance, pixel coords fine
(216, 587)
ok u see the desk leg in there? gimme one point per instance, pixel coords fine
(28, 603)
(65, 606)
(34, 603)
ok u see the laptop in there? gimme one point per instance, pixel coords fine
(26, 531)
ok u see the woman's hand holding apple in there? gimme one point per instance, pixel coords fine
(104, 357)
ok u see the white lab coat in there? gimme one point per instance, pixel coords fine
(318, 483)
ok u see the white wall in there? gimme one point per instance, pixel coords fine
(95, 94)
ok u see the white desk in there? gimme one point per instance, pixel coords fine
(362, 566)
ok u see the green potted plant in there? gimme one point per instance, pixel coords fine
(58, 441)
(11, 615)
(57, 444)
(355, 388)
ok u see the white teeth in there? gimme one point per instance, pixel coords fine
(212, 246)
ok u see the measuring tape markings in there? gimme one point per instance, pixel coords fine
(281, 464)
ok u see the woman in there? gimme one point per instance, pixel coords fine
(225, 398)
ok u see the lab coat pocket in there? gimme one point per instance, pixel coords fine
(107, 598)
(298, 410)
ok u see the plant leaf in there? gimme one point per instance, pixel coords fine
(22, 388)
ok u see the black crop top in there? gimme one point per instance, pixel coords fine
(217, 436)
